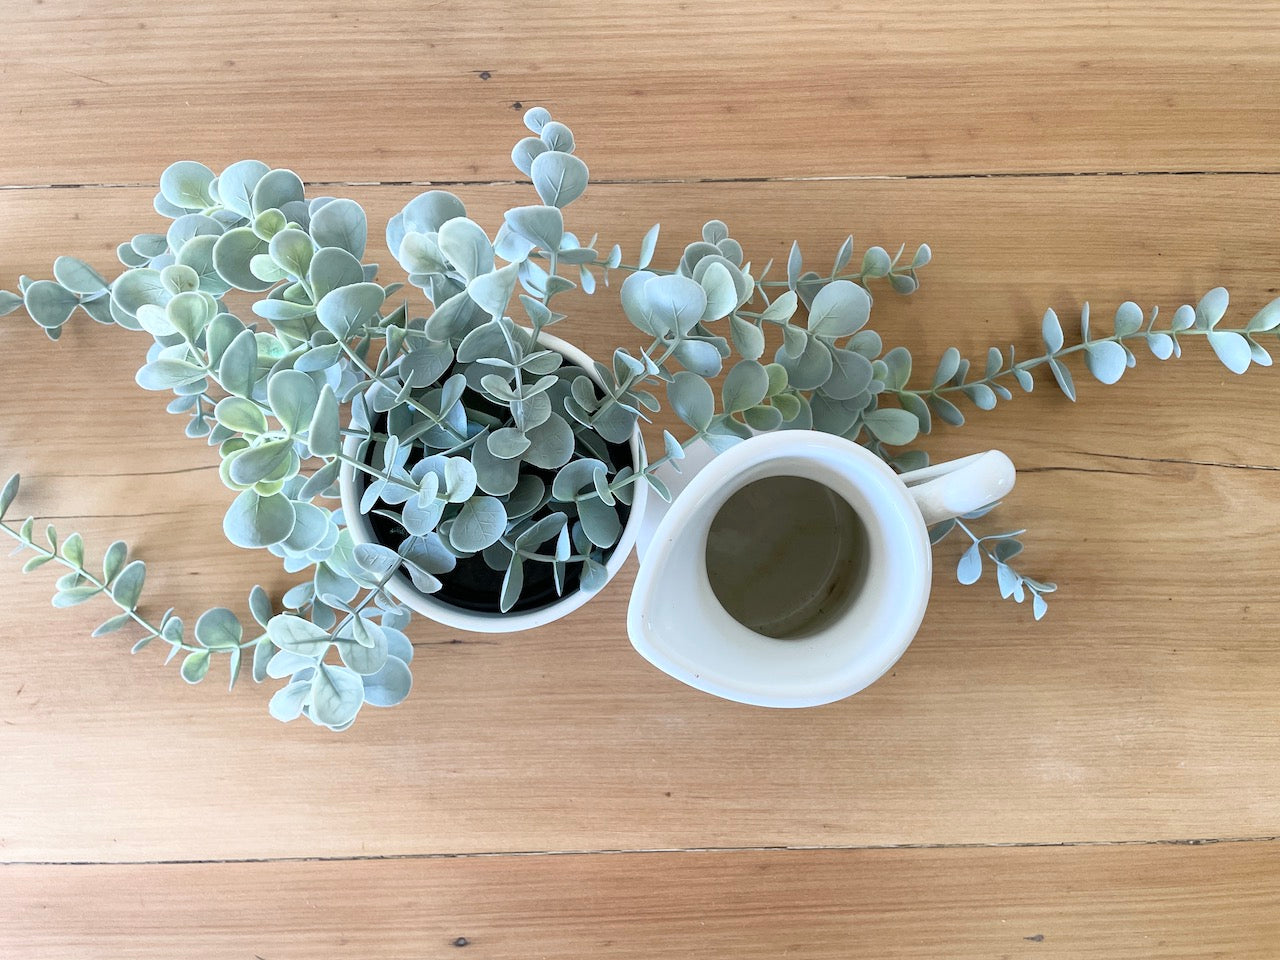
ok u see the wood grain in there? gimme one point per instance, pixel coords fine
(142, 818)
(391, 91)
(1081, 903)
(1143, 707)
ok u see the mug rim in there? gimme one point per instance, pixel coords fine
(909, 562)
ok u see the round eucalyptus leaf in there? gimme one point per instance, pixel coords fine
(49, 303)
(1210, 309)
(1268, 318)
(525, 152)
(481, 522)
(839, 309)
(721, 293)
(297, 636)
(256, 521)
(575, 477)
(763, 418)
(219, 628)
(892, 426)
(293, 396)
(699, 357)
(1106, 360)
(1128, 318)
(126, 590)
(419, 253)
(1232, 349)
(550, 444)
(337, 693)
(77, 276)
(674, 302)
(134, 288)
(508, 443)
(390, 685)
(535, 118)
(850, 374)
(876, 262)
(341, 223)
(179, 279)
(1160, 344)
(331, 268)
(969, 569)
(983, 397)
(599, 522)
(363, 659)
(345, 309)
(275, 189)
(745, 386)
(189, 226)
(261, 461)
(466, 246)
(428, 212)
(240, 415)
(286, 703)
(292, 251)
(195, 666)
(560, 178)
(512, 584)
(197, 253)
(1051, 331)
(236, 184)
(233, 253)
(748, 338)
(238, 363)
(835, 416)
(636, 306)
(540, 225)
(324, 432)
(556, 136)
(167, 209)
(691, 398)
(186, 184)
(493, 475)
(811, 369)
(492, 291)
(165, 374)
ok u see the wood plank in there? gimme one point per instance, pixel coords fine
(1144, 706)
(111, 93)
(1083, 903)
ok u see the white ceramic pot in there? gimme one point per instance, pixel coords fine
(402, 588)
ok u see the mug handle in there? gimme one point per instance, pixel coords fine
(951, 489)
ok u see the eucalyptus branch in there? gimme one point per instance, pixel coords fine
(121, 582)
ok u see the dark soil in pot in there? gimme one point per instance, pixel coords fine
(472, 585)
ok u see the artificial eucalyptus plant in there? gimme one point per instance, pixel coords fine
(474, 440)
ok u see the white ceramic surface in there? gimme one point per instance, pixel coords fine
(402, 588)
(677, 624)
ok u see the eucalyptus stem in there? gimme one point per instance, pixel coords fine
(409, 401)
(56, 555)
(1039, 361)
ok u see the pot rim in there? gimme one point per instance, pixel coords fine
(402, 588)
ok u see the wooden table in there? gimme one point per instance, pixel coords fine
(1103, 784)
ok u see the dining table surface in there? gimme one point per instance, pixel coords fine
(1101, 784)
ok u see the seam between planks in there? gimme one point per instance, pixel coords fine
(1034, 845)
(641, 181)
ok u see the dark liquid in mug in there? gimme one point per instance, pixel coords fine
(786, 556)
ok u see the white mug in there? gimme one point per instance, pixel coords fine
(678, 624)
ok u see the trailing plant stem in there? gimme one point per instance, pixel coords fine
(57, 557)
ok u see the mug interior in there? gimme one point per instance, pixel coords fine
(786, 556)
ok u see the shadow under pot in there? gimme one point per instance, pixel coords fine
(469, 595)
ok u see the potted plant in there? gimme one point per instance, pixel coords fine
(467, 464)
